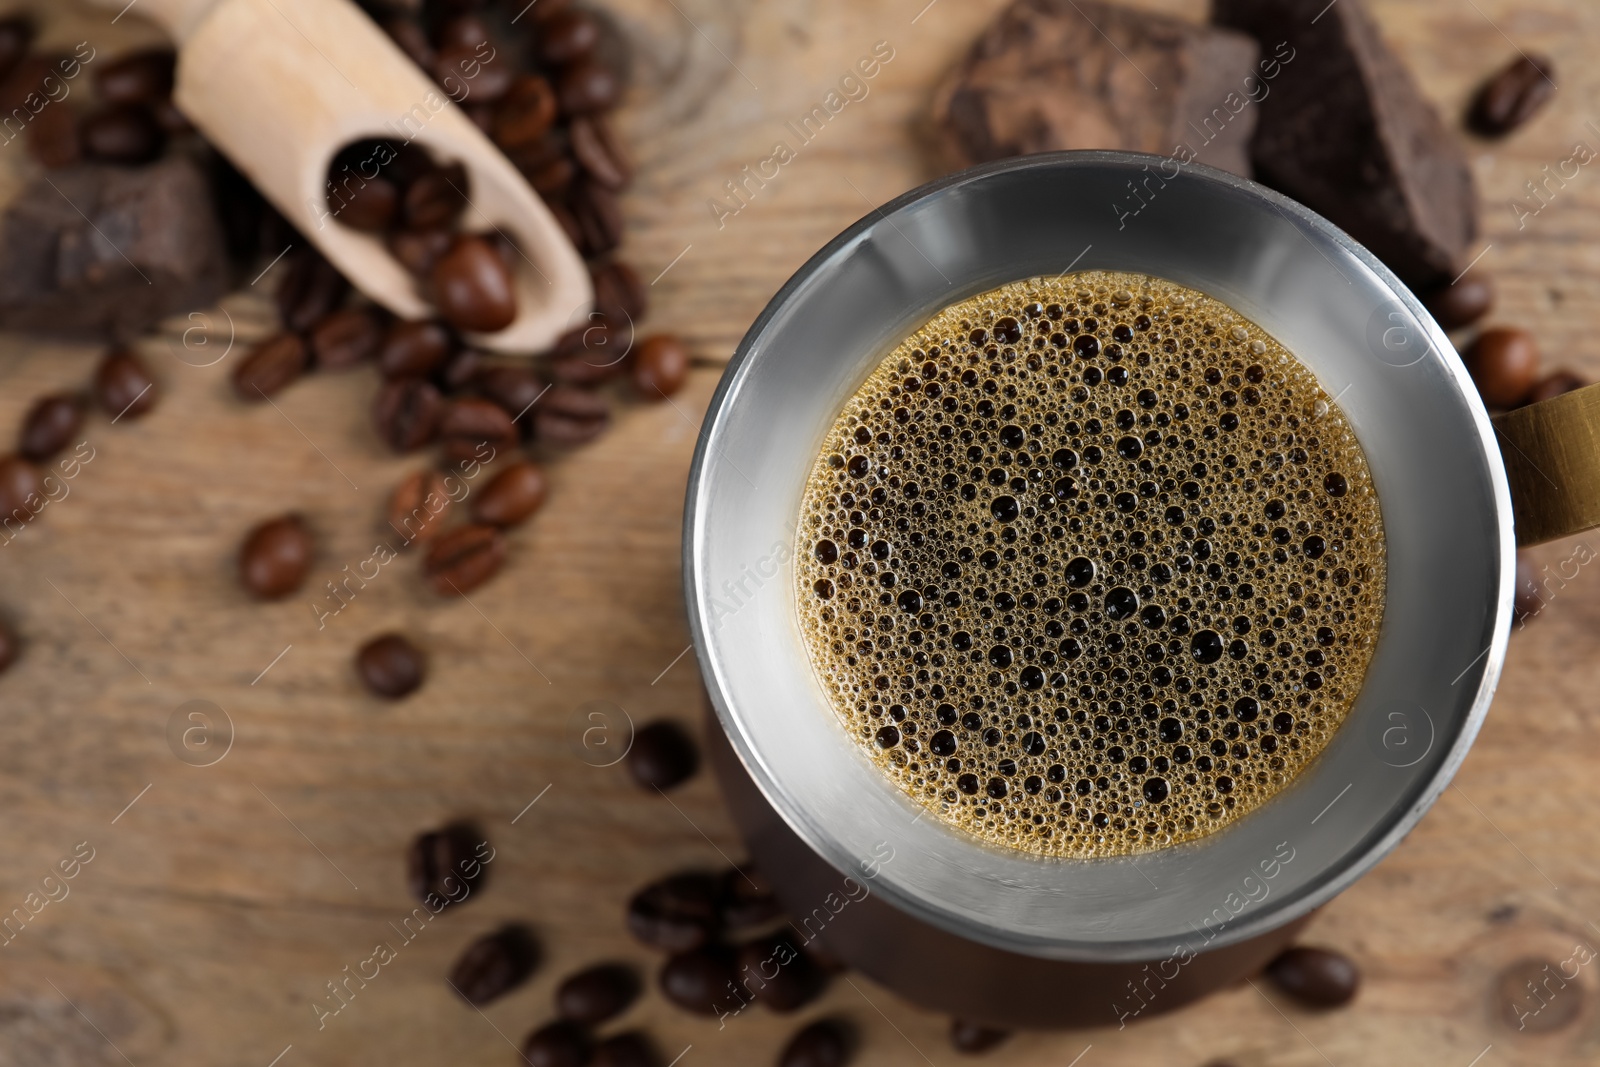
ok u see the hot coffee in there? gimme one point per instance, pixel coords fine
(1091, 565)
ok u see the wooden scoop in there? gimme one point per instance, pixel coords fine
(279, 86)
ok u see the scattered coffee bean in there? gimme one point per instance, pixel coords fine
(631, 1049)
(566, 36)
(593, 996)
(973, 1038)
(619, 292)
(345, 338)
(461, 369)
(462, 31)
(797, 982)
(49, 426)
(825, 1043)
(1463, 303)
(21, 490)
(122, 385)
(587, 368)
(1512, 96)
(407, 413)
(663, 755)
(1553, 385)
(597, 151)
(142, 77)
(413, 349)
(122, 133)
(486, 81)
(699, 980)
(557, 1044)
(554, 178)
(473, 288)
(474, 428)
(746, 899)
(515, 389)
(418, 250)
(270, 367)
(391, 666)
(1529, 599)
(494, 965)
(599, 217)
(660, 366)
(587, 86)
(463, 559)
(370, 205)
(677, 913)
(1318, 977)
(444, 864)
(9, 647)
(419, 506)
(1504, 362)
(16, 35)
(275, 557)
(525, 114)
(513, 495)
(568, 416)
(436, 199)
(311, 289)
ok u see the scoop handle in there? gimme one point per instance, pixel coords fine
(177, 17)
(1552, 456)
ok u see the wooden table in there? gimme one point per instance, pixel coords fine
(221, 900)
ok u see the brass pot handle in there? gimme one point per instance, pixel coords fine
(1552, 456)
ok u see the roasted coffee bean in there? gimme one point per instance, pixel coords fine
(473, 288)
(587, 86)
(370, 205)
(593, 996)
(413, 349)
(568, 416)
(49, 426)
(121, 133)
(587, 369)
(16, 34)
(53, 138)
(797, 982)
(345, 338)
(663, 755)
(444, 864)
(973, 1038)
(515, 389)
(391, 666)
(599, 217)
(1553, 385)
(9, 646)
(419, 506)
(143, 77)
(1529, 598)
(677, 913)
(1504, 363)
(632, 1049)
(699, 980)
(1462, 304)
(525, 114)
(557, 1044)
(619, 293)
(466, 76)
(1512, 96)
(746, 899)
(21, 491)
(1318, 977)
(565, 36)
(407, 413)
(436, 199)
(171, 118)
(122, 386)
(311, 288)
(825, 1043)
(494, 965)
(462, 31)
(418, 250)
(513, 495)
(554, 177)
(463, 368)
(276, 557)
(597, 151)
(271, 365)
(463, 559)
(660, 366)
(473, 428)
(405, 33)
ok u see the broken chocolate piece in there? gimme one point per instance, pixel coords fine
(1347, 133)
(1055, 74)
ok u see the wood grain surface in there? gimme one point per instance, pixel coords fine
(221, 900)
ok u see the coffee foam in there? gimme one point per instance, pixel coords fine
(1091, 565)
